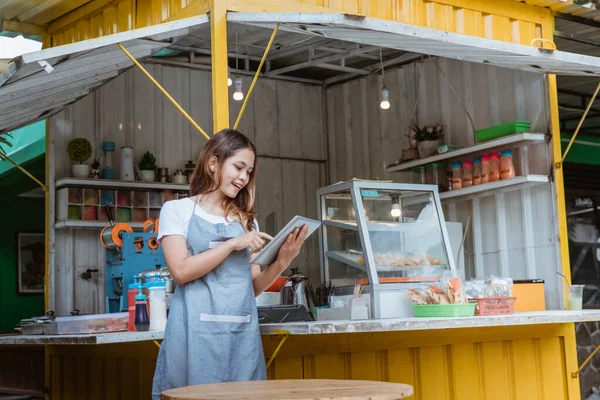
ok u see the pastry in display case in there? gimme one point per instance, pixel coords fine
(388, 237)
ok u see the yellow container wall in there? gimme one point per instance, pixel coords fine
(499, 19)
(504, 363)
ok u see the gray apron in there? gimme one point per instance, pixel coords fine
(212, 332)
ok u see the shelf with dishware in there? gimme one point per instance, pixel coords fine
(93, 203)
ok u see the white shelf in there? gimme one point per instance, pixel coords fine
(375, 226)
(352, 260)
(114, 184)
(515, 140)
(92, 224)
(504, 185)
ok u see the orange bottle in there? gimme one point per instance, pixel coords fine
(494, 167)
(507, 169)
(477, 172)
(456, 176)
(467, 173)
(485, 168)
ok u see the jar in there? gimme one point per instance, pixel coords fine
(419, 175)
(467, 173)
(477, 172)
(485, 169)
(158, 300)
(507, 169)
(456, 176)
(449, 180)
(189, 170)
(179, 178)
(436, 175)
(494, 167)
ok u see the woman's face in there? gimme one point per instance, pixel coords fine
(236, 172)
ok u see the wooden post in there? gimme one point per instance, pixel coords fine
(219, 64)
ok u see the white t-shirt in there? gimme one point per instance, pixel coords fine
(175, 217)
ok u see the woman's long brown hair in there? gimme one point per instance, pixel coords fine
(222, 146)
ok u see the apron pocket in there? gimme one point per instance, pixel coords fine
(238, 319)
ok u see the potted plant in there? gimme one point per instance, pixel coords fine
(428, 138)
(80, 150)
(148, 167)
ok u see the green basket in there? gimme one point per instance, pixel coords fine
(496, 131)
(444, 310)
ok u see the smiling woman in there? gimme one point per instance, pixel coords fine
(207, 241)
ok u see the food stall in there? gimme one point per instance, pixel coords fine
(399, 231)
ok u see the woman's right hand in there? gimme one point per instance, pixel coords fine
(251, 240)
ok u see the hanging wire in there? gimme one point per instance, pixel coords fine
(382, 69)
(236, 52)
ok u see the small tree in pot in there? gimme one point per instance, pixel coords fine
(148, 167)
(428, 138)
(80, 150)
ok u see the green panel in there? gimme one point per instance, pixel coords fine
(585, 150)
(27, 143)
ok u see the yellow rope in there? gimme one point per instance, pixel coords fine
(286, 335)
(7, 158)
(579, 126)
(157, 344)
(185, 114)
(587, 360)
(262, 61)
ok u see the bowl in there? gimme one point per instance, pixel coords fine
(279, 283)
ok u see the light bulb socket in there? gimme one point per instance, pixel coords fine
(237, 85)
(385, 94)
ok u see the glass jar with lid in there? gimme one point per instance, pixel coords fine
(435, 174)
(419, 175)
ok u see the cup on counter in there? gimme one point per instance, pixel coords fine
(576, 297)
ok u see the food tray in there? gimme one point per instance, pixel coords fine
(494, 305)
(444, 310)
(496, 131)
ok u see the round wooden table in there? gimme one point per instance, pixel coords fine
(298, 389)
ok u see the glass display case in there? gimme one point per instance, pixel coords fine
(385, 236)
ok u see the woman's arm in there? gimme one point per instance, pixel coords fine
(185, 268)
(290, 249)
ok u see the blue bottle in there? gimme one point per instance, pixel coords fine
(142, 320)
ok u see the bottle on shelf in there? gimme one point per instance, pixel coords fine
(494, 167)
(485, 168)
(507, 168)
(142, 319)
(477, 172)
(467, 173)
(456, 176)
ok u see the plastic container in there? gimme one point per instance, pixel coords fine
(576, 297)
(437, 174)
(444, 310)
(494, 305)
(142, 319)
(485, 168)
(131, 293)
(456, 176)
(494, 167)
(467, 173)
(477, 172)
(507, 168)
(158, 299)
(496, 131)
(94, 323)
(418, 175)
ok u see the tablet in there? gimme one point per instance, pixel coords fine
(268, 254)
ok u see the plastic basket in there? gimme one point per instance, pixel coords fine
(496, 131)
(494, 305)
(444, 310)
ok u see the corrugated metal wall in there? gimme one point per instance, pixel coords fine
(512, 233)
(499, 363)
(500, 19)
(284, 119)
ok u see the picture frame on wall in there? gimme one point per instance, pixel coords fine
(31, 256)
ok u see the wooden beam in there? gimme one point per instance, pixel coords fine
(274, 6)
(21, 27)
(219, 64)
(87, 11)
(196, 7)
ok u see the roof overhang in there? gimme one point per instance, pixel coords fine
(37, 85)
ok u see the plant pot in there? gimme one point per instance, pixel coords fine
(428, 148)
(80, 170)
(147, 175)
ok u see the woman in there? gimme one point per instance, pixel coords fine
(212, 332)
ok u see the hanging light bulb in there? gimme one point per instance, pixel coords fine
(396, 211)
(229, 81)
(237, 84)
(385, 99)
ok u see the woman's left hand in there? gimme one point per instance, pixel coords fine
(291, 247)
